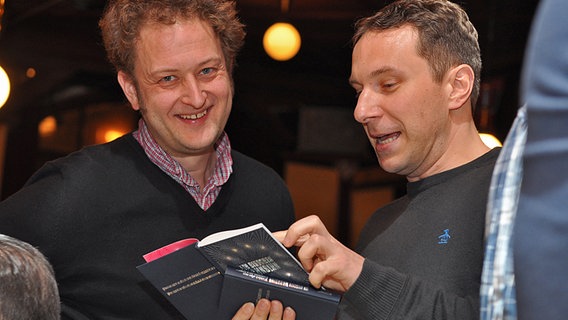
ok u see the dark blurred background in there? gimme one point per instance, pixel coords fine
(65, 95)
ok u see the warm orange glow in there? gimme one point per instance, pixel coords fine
(31, 73)
(47, 126)
(490, 140)
(1, 12)
(281, 41)
(4, 87)
(112, 134)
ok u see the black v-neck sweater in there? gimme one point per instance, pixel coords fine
(95, 213)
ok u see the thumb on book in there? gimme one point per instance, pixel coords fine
(280, 236)
(289, 241)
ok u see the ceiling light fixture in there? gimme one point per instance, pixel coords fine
(490, 140)
(282, 40)
(4, 80)
(4, 87)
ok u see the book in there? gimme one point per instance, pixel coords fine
(186, 278)
(192, 274)
(240, 286)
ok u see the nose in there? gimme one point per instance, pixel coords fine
(367, 107)
(193, 93)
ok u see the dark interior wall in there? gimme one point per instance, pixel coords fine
(503, 27)
(269, 95)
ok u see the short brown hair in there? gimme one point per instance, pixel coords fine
(447, 37)
(122, 20)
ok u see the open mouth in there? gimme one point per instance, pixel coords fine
(388, 138)
(193, 116)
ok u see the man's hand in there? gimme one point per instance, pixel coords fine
(328, 261)
(265, 310)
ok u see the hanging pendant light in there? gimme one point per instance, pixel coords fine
(4, 80)
(282, 40)
(4, 87)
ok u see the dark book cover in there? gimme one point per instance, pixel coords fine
(253, 249)
(188, 280)
(190, 274)
(241, 286)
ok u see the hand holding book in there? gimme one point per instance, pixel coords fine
(223, 271)
(265, 309)
(330, 263)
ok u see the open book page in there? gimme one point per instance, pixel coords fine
(222, 235)
(253, 249)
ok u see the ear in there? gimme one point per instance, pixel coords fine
(129, 89)
(461, 80)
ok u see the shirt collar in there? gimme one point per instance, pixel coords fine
(223, 165)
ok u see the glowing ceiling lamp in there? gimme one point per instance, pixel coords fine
(282, 40)
(490, 140)
(4, 80)
(4, 87)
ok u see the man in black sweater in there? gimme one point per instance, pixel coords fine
(416, 67)
(94, 213)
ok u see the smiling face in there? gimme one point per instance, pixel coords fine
(181, 86)
(403, 110)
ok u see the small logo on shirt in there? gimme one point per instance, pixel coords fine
(445, 237)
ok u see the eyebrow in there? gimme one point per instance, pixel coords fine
(373, 74)
(213, 59)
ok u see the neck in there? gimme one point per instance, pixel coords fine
(464, 144)
(461, 145)
(200, 167)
